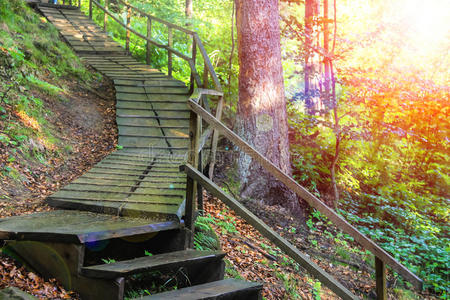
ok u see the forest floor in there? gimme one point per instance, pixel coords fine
(86, 122)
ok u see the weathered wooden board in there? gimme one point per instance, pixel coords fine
(151, 263)
(77, 226)
(136, 112)
(140, 155)
(119, 170)
(113, 175)
(178, 90)
(95, 188)
(157, 181)
(97, 196)
(165, 97)
(121, 104)
(143, 76)
(161, 191)
(148, 210)
(168, 105)
(144, 143)
(109, 162)
(127, 96)
(146, 83)
(174, 114)
(131, 121)
(220, 289)
(178, 185)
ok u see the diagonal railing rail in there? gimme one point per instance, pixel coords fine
(382, 258)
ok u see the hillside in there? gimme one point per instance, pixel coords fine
(53, 122)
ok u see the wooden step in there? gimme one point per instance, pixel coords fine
(221, 289)
(151, 263)
(77, 226)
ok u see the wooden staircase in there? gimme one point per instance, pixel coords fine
(123, 221)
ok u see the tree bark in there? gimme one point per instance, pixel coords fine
(261, 111)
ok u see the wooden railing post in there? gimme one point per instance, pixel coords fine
(199, 186)
(191, 186)
(380, 274)
(169, 53)
(79, 4)
(194, 59)
(149, 36)
(215, 139)
(127, 39)
(205, 75)
(105, 17)
(90, 9)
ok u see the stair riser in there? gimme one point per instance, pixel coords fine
(131, 247)
(198, 271)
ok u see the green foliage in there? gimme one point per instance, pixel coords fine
(393, 183)
(108, 260)
(43, 85)
(230, 270)
(205, 238)
(316, 290)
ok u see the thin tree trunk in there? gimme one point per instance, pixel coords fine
(233, 44)
(188, 9)
(312, 66)
(261, 113)
(326, 96)
(337, 130)
(335, 159)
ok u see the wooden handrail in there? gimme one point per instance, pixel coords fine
(174, 51)
(312, 200)
(197, 41)
(270, 234)
(143, 13)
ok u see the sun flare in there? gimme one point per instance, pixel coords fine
(429, 21)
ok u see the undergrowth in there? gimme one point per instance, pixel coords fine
(390, 193)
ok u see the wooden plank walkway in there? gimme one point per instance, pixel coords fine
(142, 179)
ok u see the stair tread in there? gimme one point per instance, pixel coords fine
(211, 290)
(77, 226)
(146, 263)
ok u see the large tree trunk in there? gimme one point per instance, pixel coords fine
(261, 113)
